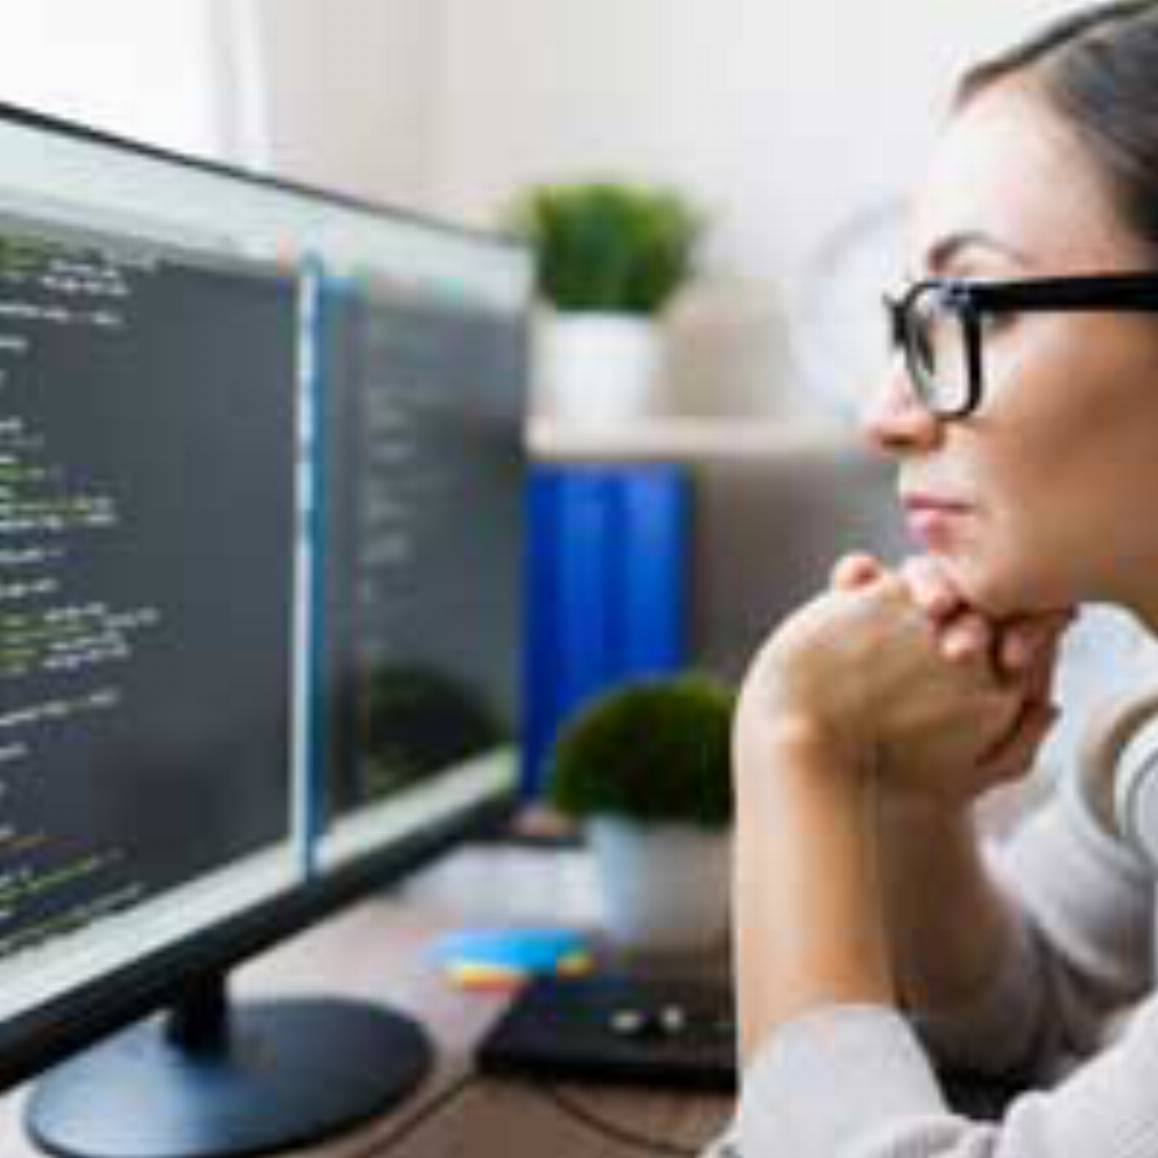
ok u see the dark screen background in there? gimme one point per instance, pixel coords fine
(147, 535)
(424, 488)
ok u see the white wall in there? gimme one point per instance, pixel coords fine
(348, 91)
(781, 118)
(778, 115)
(784, 119)
(797, 126)
(148, 69)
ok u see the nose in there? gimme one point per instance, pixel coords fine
(894, 421)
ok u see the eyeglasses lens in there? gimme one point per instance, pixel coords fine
(935, 344)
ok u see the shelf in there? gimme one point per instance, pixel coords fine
(680, 439)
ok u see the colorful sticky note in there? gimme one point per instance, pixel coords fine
(503, 958)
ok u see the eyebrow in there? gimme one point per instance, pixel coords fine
(942, 252)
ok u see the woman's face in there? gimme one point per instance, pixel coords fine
(1047, 494)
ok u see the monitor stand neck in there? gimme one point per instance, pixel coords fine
(199, 1024)
(213, 1080)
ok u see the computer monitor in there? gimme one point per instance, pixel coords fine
(421, 478)
(260, 494)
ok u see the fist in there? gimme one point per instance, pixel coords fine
(861, 666)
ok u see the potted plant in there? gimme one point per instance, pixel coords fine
(646, 767)
(609, 259)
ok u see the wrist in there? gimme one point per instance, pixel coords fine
(807, 740)
(807, 860)
(925, 812)
(796, 764)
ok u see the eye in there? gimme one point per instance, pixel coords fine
(994, 323)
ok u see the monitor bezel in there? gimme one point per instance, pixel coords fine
(32, 1041)
(76, 130)
(35, 1039)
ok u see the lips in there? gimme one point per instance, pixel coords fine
(933, 521)
(917, 503)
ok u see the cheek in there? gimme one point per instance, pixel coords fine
(1029, 557)
(987, 553)
(1006, 564)
(1068, 459)
(1019, 552)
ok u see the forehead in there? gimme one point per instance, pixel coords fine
(1009, 169)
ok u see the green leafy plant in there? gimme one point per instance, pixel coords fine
(608, 247)
(652, 750)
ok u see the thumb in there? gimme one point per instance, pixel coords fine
(1013, 755)
(1025, 639)
(854, 570)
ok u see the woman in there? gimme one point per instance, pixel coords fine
(1023, 414)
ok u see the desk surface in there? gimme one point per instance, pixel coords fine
(377, 949)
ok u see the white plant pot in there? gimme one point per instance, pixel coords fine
(665, 887)
(597, 370)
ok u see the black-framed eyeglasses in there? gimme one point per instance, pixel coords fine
(939, 323)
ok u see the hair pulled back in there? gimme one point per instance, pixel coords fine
(1098, 69)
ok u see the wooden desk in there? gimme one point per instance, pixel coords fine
(377, 949)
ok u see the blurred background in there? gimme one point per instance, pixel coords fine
(796, 128)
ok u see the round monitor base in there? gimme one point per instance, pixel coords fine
(290, 1073)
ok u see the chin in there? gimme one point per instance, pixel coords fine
(1002, 590)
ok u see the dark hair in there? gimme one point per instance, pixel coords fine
(1098, 68)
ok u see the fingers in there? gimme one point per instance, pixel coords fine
(1025, 651)
(854, 570)
(1013, 755)
(963, 633)
(1025, 639)
(930, 588)
(966, 637)
(1023, 647)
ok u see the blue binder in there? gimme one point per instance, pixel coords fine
(606, 589)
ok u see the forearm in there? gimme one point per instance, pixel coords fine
(809, 910)
(950, 928)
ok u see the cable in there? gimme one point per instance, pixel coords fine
(612, 1130)
(406, 1128)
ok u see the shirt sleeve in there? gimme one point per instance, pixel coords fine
(853, 1082)
(1082, 907)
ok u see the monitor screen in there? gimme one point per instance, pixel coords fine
(148, 543)
(421, 573)
(260, 508)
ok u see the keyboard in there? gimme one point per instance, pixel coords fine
(662, 1032)
(615, 1027)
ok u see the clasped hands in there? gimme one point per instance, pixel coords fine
(900, 679)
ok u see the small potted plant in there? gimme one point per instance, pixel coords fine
(609, 259)
(646, 767)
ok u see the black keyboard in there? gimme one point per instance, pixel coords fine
(617, 1028)
(662, 1032)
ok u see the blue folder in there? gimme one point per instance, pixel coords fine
(607, 578)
